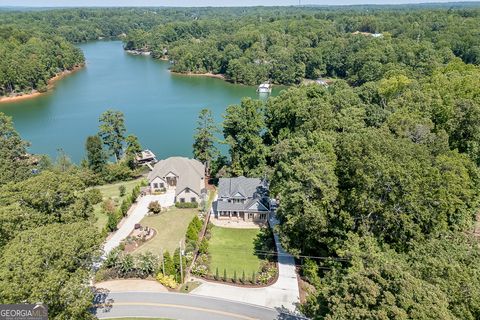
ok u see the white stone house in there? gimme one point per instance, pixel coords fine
(184, 176)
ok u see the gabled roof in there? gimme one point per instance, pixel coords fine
(189, 172)
(248, 187)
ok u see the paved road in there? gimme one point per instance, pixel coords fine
(135, 215)
(283, 293)
(179, 306)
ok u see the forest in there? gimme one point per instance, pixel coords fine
(378, 188)
(377, 172)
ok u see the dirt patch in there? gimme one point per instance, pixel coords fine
(131, 285)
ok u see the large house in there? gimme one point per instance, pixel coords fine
(242, 198)
(184, 176)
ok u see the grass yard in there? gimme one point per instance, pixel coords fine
(171, 227)
(112, 191)
(233, 249)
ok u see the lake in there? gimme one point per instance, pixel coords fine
(160, 108)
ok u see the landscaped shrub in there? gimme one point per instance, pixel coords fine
(155, 207)
(243, 277)
(216, 274)
(135, 192)
(201, 266)
(146, 264)
(126, 203)
(234, 276)
(112, 222)
(185, 205)
(126, 264)
(203, 248)
(254, 277)
(197, 222)
(112, 258)
(168, 263)
(194, 228)
(94, 196)
(122, 189)
(268, 271)
(167, 281)
(108, 206)
(224, 274)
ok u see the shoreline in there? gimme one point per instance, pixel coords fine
(35, 93)
(207, 74)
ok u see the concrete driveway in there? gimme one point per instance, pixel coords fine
(283, 293)
(134, 216)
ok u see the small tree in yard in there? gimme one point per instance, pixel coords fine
(216, 274)
(155, 207)
(112, 222)
(224, 274)
(122, 190)
(243, 277)
(254, 280)
(235, 276)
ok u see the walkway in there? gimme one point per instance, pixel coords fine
(135, 215)
(283, 293)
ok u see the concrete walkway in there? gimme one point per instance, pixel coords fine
(135, 215)
(283, 293)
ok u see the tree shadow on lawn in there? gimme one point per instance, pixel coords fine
(264, 245)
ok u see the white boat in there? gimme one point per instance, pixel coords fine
(264, 88)
(145, 157)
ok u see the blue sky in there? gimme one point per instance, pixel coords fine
(191, 3)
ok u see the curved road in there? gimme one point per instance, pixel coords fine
(180, 306)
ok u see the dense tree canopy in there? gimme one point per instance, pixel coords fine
(48, 241)
(30, 58)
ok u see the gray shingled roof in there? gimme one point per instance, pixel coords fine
(189, 172)
(230, 187)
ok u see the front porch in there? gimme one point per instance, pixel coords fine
(242, 216)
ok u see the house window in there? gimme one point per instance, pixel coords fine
(187, 190)
(162, 185)
(263, 216)
(193, 199)
(182, 200)
(155, 185)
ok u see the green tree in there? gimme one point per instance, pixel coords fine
(133, 145)
(96, 157)
(51, 264)
(204, 148)
(112, 132)
(14, 165)
(242, 128)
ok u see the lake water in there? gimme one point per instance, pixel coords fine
(160, 108)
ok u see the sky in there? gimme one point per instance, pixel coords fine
(199, 3)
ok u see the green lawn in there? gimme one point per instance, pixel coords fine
(233, 249)
(111, 191)
(171, 227)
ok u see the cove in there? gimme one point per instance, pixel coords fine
(160, 108)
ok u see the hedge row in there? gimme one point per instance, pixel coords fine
(114, 219)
